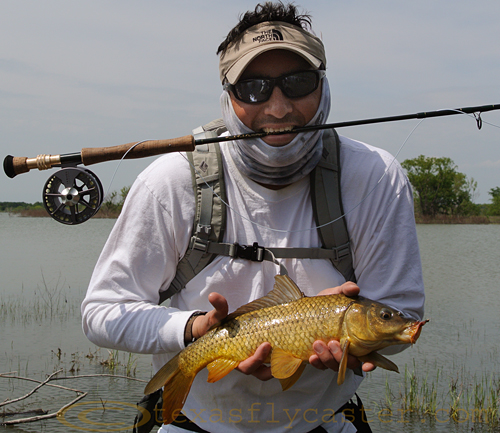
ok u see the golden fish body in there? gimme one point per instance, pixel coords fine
(292, 327)
(291, 323)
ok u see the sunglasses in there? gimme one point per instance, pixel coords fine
(295, 85)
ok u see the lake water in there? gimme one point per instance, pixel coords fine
(45, 269)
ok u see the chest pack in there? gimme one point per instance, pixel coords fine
(210, 216)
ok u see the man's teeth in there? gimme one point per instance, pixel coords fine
(284, 129)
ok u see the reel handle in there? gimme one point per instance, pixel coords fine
(14, 165)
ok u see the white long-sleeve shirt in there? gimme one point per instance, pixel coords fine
(140, 258)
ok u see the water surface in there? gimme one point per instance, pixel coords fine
(46, 267)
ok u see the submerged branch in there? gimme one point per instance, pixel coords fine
(31, 392)
(47, 416)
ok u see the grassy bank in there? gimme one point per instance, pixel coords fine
(41, 212)
(440, 219)
(457, 219)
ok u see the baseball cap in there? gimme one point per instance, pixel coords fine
(269, 35)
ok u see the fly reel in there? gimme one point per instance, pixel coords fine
(72, 195)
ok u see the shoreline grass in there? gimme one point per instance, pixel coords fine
(459, 399)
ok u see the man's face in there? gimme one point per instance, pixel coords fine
(279, 112)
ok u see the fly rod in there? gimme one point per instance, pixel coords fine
(88, 156)
(72, 195)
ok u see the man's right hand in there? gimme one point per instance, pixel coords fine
(253, 365)
(202, 324)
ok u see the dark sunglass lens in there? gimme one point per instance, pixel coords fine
(252, 91)
(300, 84)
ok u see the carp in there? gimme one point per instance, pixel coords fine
(291, 322)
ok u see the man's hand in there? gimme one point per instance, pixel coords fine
(329, 355)
(202, 324)
(253, 365)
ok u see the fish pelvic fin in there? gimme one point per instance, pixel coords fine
(290, 381)
(219, 368)
(343, 362)
(284, 291)
(380, 361)
(284, 364)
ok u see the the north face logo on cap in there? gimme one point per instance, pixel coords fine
(269, 35)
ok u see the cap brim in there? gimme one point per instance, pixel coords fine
(241, 64)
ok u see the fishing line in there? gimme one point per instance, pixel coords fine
(345, 213)
(316, 227)
(116, 171)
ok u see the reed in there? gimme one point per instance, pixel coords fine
(461, 398)
(46, 302)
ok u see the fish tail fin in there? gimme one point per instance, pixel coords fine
(175, 393)
(176, 386)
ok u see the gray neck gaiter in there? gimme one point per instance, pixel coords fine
(272, 165)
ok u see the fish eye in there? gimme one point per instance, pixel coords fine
(385, 314)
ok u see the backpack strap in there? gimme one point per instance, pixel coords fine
(327, 206)
(210, 216)
(207, 175)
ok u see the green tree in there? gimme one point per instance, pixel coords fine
(439, 187)
(113, 203)
(494, 207)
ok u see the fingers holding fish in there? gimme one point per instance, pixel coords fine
(328, 356)
(348, 289)
(255, 366)
(203, 323)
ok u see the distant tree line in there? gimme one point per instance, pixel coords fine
(113, 203)
(18, 206)
(440, 189)
(110, 208)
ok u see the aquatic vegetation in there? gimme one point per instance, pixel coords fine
(458, 399)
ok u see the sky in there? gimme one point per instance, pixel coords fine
(76, 74)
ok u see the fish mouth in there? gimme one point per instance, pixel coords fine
(415, 329)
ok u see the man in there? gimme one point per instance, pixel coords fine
(272, 71)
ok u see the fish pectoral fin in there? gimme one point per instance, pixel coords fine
(219, 368)
(379, 361)
(284, 364)
(290, 381)
(343, 362)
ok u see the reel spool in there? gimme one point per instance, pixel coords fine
(72, 195)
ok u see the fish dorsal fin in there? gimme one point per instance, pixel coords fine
(284, 291)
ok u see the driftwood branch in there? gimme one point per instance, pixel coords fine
(81, 394)
(100, 375)
(29, 379)
(31, 392)
(42, 417)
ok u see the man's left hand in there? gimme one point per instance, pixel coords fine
(329, 355)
